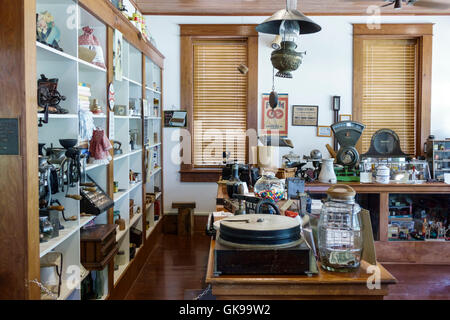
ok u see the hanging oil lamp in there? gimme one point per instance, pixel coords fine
(289, 24)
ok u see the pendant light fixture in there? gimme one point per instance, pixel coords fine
(289, 23)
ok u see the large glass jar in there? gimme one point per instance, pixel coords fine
(340, 235)
(269, 187)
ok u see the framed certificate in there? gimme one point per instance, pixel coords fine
(305, 115)
(323, 131)
(345, 117)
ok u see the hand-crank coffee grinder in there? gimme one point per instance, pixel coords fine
(347, 134)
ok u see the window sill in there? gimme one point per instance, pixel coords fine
(200, 175)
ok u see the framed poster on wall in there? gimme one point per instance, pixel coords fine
(275, 121)
(118, 56)
(305, 115)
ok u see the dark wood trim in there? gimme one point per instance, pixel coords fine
(200, 175)
(218, 30)
(391, 29)
(19, 232)
(110, 166)
(188, 33)
(105, 11)
(424, 35)
(265, 14)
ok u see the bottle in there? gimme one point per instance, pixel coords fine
(340, 234)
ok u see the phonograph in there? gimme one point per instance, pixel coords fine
(347, 134)
(262, 244)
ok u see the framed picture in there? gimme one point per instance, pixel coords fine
(275, 121)
(305, 115)
(175, 119)
(323, 131)
(345, 117)
(118, 57)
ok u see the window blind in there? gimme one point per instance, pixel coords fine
(220, 101)
(389, 90)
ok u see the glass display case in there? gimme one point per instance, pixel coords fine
(415, 217)
(401, 170)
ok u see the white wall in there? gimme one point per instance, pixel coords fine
(326, 71)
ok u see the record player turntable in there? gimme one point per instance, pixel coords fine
(262, 244)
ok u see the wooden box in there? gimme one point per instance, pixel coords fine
(98, 246)
(290, 261)
(284, 173)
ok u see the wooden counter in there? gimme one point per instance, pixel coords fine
(421, 252)
(435, 187)
(325, 285)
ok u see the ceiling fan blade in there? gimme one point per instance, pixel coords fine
(431, 5)
(387, 4)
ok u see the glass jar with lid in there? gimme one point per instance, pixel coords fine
(340, 233)
(269, 187)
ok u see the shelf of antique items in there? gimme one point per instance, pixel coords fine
(153, 199)
(417, 218)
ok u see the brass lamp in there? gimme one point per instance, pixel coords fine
(289, 24)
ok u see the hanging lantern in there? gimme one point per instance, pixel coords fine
(289, 24)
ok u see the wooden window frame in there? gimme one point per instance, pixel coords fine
(189, 33)
(423, 33)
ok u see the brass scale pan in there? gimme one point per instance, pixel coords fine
(259, 231)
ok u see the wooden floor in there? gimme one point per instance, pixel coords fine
(176, 269)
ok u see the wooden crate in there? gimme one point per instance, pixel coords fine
(284, 173)
(98, 246)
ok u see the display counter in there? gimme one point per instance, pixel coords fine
(325, 285)
(377, 198)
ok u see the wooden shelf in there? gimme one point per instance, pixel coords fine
(70, 228)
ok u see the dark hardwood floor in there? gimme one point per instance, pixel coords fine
(176, 269)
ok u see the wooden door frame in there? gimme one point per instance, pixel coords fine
(189, 33)
(423, 33)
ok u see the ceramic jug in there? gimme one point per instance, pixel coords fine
(327, 174)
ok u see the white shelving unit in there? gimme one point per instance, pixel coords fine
(128, 91)
(70, 71)
(136, 87)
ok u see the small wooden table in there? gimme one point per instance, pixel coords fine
(325, 285)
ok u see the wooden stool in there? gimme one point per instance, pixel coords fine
(185, 217)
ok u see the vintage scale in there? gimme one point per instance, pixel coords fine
(347, 133)
(262, 244)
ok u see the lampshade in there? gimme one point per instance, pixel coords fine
(272, 24)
